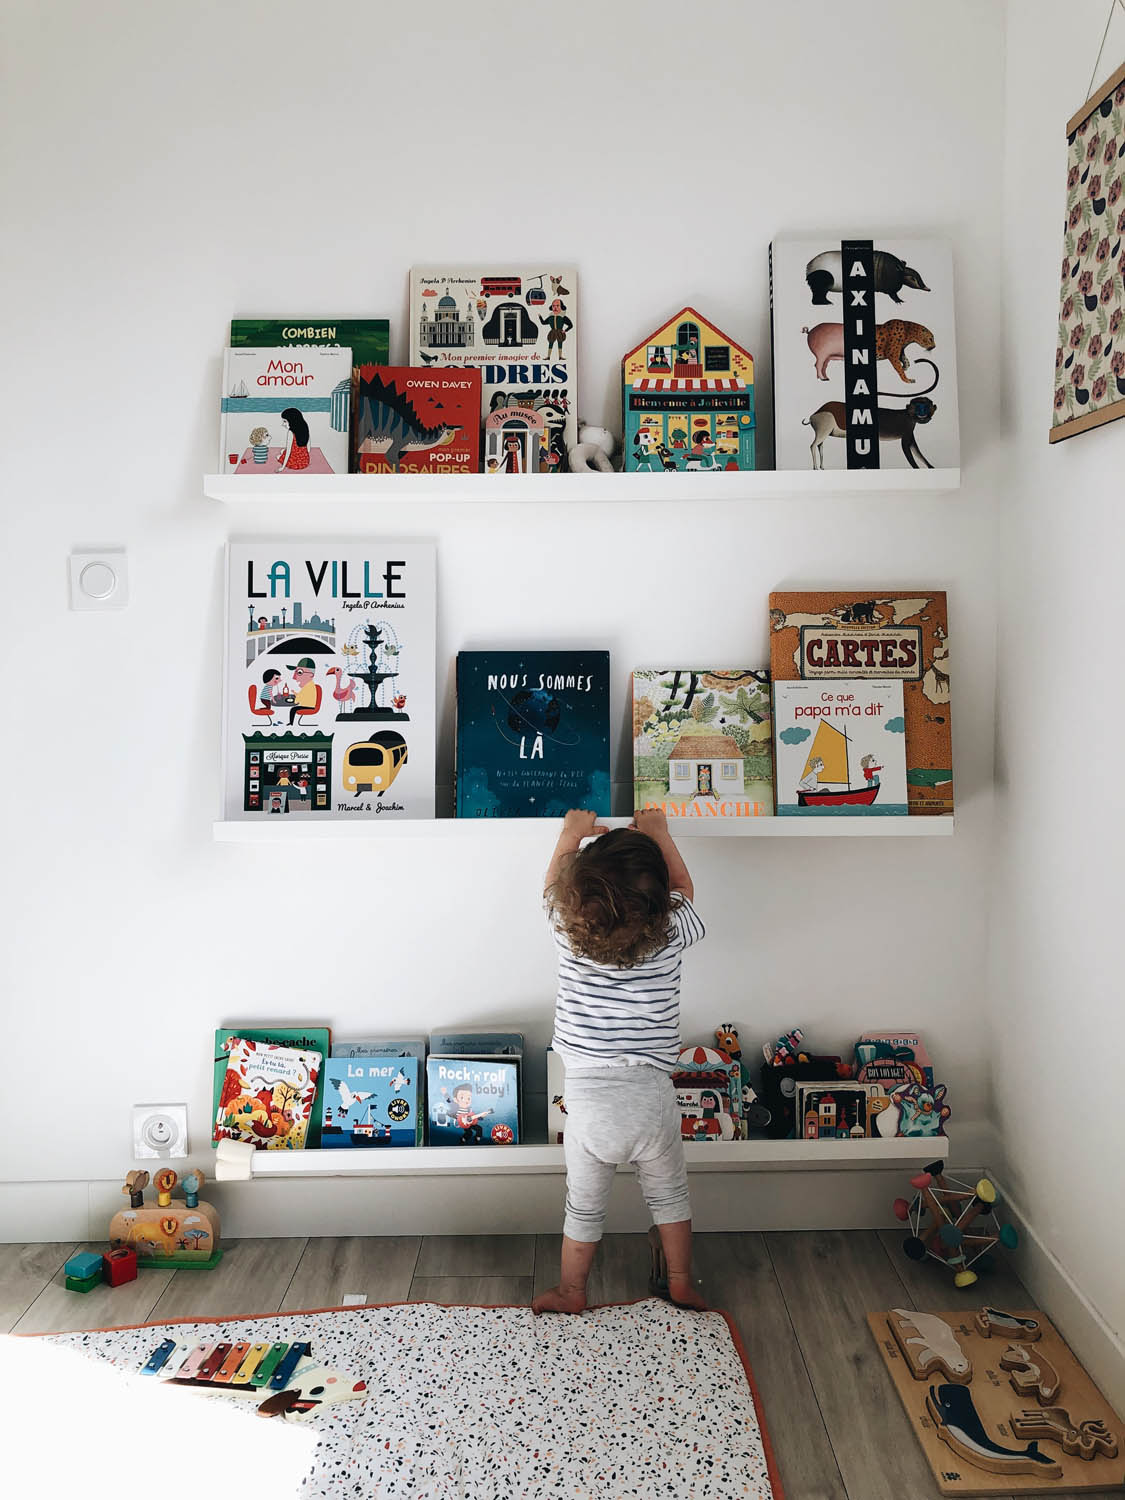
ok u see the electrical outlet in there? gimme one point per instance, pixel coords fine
(159, 1130)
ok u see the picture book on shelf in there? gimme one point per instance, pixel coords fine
(825, 635)
(382, 1046)
(268, 1095)
(708, 1086)
(701, 742)
(300, 1038)
(893, 1057)
(285, 411)
(472, 1101)
(532, 733)
(518, 328)
(556, 1100)
(840, 748)
(329, 701)
(864, 363)
(417, 421)
(838, 1111)
(371, 1102)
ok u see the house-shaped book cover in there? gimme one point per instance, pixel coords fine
(417, 421)
(688, 399)
(371, 1102)
(840, 748)
(285, 410)
(532, 733)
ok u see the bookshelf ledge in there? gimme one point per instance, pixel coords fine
(302, 827)
(236, 1161)
(760, 484)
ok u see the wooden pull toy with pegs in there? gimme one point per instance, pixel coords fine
(167, 1232)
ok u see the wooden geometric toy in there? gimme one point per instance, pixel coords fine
(83, 1265)
(947, 1217)
(167, 1232)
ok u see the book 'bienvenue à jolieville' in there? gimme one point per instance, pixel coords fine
(285, 410)
(519, 328)
(832, 635)
(702, 742)
(417, 421)
(370, 1101)
(329, 706)
(532, 733)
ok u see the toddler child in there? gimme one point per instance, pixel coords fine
(622, 915)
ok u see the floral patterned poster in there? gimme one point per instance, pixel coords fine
(1090, 358)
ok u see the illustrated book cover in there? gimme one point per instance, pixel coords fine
(893, 1057)
(532, 733)
(285, 410)
(382, 1046)
(367, 338)
(519, 329)
(300, 1038)
(864, 362)
(830, 634)
(840, 748)
(417, 421)
(702, 742)
(837, 1111)
(268, 1095)
(556, 1101)
(708, 1086)
(371, 1102)
(472, 1101)
(329, 693)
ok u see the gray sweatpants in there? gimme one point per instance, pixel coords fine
(617, 1115)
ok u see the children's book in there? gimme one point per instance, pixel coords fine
(383, 1046)
(371, 1102)
(864, 363)
(834, 1112)
(268, 1095)
(417, 421)
(708, 1088)
(841, 748)
(301, 1038)
(329, 707)
(367, 338)
(532, 733)
(472, 1101)
(285, 411)
(701, 742)
(826, 635)
(893, 1057)
(518, 327)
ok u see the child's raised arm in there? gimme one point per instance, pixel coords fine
(577, 825)
(652, 821)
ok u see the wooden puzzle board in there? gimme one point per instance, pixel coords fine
(995, 1400)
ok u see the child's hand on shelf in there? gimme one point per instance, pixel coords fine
(580, 824)
(652, 821)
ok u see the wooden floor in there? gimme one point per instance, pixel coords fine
(799, 1300)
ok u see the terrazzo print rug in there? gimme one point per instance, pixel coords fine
(477, 1403)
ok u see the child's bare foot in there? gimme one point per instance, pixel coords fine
(684, 1293)
(560, 1299)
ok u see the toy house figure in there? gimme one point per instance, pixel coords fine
(514, 440)
(688, 399)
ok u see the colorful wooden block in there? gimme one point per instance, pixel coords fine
(83, 1265)
(119, 1266)
(83, 1283)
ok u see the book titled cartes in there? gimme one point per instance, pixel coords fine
(472, 1101)
(532, 733)
(268, 1095)
(701, 742)
(417, 421)
(302, 1038)
(371, 1102)
(841, 748)
(833, 634)
(285, 411)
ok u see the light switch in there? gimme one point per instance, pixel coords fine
(99, 580)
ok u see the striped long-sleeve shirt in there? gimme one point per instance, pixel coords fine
(608, 1017)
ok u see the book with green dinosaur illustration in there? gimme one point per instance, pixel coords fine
(702, 742)
(304, 1038)
(417, 421)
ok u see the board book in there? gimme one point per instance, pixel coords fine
(556, 1101)
(268, 1095)
(371, 1101)
(472, 1101)
(302, 1038)
(840, 748)
(893, 1057)
(329, 707)
(383, 1046)
(532, 733)
(519, 328)
(417, 421)
(701, 742)
(285, 410)
(825, 635)
(708, 1086)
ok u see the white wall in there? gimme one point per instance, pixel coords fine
(178, 165)
(1055, 971)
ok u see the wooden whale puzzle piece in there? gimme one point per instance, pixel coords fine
(929, 1346)
(1031, 1374)
(992, 1320)
(1083, 1440)
(959, 1426)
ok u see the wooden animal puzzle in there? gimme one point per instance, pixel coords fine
(968, 1383)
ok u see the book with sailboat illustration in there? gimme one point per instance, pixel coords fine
(840, 748)
(285, 409)
(371, 1101)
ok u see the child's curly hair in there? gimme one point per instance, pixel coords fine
(612, 900)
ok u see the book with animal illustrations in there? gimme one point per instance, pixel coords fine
(831, 635)
(371, 1101)
(417, 421)
(864, 362)
(367, 338)
(329, 711)
(840, 748)
(701, 742)
(532, 733)
(519, 328)
(268, 1094)
(286, 411)
(301, 1038)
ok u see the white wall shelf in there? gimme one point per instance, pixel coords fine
(761, 484)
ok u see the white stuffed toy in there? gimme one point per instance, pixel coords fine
(593, 450)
